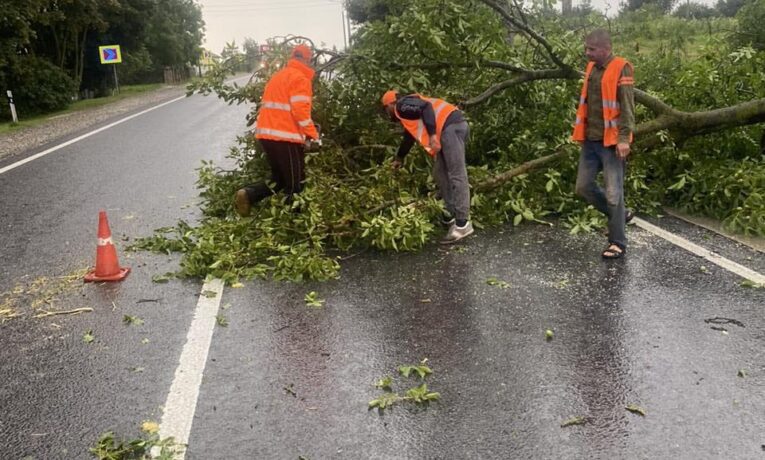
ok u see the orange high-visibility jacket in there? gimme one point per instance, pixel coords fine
(285, 110)
(417, 127)
(612, 79)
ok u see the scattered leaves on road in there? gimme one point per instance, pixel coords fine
(221, 320)
(209, 294)
(163, 278)
(549, 334)
(132, 320)
(751, 284)
(384, 383)
(635, 409)
(88, 336)
(574, 421)
(742, 373)
(497, 282)
(312, 300)
(150, 427)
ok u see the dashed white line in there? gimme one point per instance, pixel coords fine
(713, 257)
(181, 402)
(84, 136)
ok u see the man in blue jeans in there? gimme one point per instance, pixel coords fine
(605, 122)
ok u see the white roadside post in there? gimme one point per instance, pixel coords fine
(13, 107)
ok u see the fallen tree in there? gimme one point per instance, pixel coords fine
(516, 74)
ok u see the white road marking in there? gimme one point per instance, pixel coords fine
(713, 257)
(182, 400)
(84, 136)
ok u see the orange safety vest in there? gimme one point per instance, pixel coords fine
(612, 79)
(285, 109)
(417, 127)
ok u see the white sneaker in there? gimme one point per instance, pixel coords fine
(456, 233)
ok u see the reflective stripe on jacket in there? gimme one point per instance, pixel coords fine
(285, 110)
(417, 129)
(612, 79)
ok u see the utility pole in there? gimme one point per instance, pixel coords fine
(342, 20)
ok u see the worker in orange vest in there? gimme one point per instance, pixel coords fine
(442, 131)
(605, 123)
(284, 128)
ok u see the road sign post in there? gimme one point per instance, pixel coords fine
(13, 107)
(111, 54)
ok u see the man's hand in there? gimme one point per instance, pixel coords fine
(622, 150)
(396, 164)
(435, 146)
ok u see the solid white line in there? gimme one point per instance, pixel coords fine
(713, 257)
(86, 135)
(182, 400)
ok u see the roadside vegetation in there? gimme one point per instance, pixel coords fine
(49, 55)
(84, 104)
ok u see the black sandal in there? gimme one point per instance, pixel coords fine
(614, 251)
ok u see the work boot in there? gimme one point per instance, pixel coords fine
(456, 233)
(242, 203)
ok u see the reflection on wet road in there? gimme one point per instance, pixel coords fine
(286, 380)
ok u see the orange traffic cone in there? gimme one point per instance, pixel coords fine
(107, 266)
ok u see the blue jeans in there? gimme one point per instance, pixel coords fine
(595, 158)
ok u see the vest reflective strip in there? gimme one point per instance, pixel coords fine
(579, 121)
(305, 123)
(582, 100)
(300, 99)
(279, 133)
(611, 123)
(611, 104)
(276, 106)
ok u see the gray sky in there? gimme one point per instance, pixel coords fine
(229, 20)
(319, 20)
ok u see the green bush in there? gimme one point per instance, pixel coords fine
(38, 87)
(750, 30)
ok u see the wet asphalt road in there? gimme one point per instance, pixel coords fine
(285, 380)
(630, 332)
(58, 394)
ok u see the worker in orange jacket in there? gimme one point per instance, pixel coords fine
(442, 131)
(605, 123)
(284, 127)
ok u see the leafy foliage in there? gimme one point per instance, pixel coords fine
(353, 200)
(110, 448)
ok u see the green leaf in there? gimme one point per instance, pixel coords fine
(221, 320)
(421, 370)
(132, 320)
(636, 409)
(88, 336)
(384, 401)
(161, 278)
(497, 282)
(574, 421)
(751, 284)
(312, 300)
(385, 383)
(209, 294)
(517, 220)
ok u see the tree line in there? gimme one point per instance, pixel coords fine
(49, 48)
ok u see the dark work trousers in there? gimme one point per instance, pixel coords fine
(287, 161)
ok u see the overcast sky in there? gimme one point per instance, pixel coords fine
(319, 20)
(229, 20)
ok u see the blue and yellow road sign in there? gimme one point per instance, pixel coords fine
(110, 54)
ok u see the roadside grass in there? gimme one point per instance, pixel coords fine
(125, 92)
